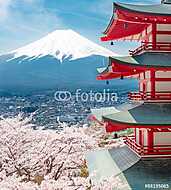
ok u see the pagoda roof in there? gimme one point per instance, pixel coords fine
(155, 9)
(147, 114)
(99, 113)
(133, 65)
(129, 21)
(148, 59)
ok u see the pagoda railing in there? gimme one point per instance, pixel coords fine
(145, 150)
(149, 46)
(148, 96)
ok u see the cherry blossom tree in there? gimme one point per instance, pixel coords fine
(47, 159)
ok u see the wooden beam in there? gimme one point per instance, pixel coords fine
(162, 79)
(154, 28)
(153, 90)
(150, 139)
(164, 32)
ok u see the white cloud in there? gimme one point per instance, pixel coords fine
(4, 8)
(11, 12)
(37, 18)
(25, 21)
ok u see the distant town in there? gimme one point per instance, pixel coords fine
(48, 112)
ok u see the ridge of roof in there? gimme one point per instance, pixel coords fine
(153, 9)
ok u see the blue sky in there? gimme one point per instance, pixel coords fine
(24, 21)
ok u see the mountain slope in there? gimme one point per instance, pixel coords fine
(38, 65)
(62, 44)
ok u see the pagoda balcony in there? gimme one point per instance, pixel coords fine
(149, 46)
(140, 96)
(145, 151)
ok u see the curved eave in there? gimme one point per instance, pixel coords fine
(108, 76)
(110, 22)
(155, 10)
(115, 75)
(137, 125)
(140, 116)
(133, 65)
(105, 74)
(108, 73)
(139, 66)
(143, 61)
(128, 13)
(124, 30)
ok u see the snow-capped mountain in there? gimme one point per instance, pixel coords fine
(38, 65)
(62, 44)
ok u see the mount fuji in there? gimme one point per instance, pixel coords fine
(62, 44)
(62, 59)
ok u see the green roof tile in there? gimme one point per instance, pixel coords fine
(145, 114)
(149, 59)
(159, 9)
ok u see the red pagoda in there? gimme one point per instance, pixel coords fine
(150, 64)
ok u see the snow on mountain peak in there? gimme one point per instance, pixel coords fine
(62, 44)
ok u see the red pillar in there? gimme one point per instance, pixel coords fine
(154, 31)
(150, 139)
(141, 137)
(152, 79)
(135, 134)
(144, 86)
